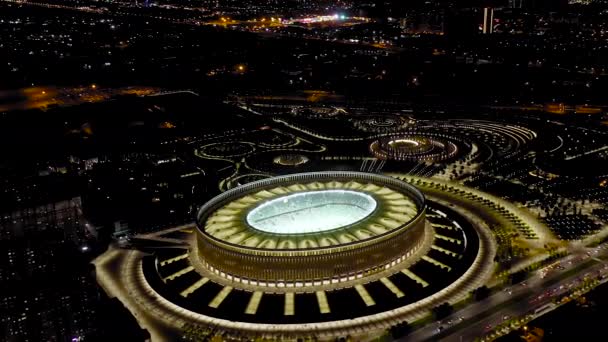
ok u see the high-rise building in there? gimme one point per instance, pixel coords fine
(516, 3)
(488, 20)
(47, 294)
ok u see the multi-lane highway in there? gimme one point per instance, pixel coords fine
(478, 319)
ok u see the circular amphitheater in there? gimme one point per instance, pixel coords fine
(290, 159)
(230, 149)
(316, 112)
(383, 123)
(415, 147)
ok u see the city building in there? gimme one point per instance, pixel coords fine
(488, 20)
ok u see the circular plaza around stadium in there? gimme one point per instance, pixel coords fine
(321, 254)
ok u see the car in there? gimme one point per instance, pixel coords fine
(488, 328)
(505, 317)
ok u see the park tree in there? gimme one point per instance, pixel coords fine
(442, 311)
(400, 330)
(481, 293)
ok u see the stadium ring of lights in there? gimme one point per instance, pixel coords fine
(347, 224)
(240, 180)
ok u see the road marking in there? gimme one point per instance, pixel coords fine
(394, 289)
(445, 251)
(254, 302)
(369, 301)
(194, 287)
(322, 301)
(219, 298)
(289, 309)
(178, 273)
(174, 259)
(443, 226)
(436, 263)
(414, 277)
(452, 240)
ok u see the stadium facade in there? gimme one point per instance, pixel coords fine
(311, 228)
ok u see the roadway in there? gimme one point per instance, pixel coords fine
(479, 318)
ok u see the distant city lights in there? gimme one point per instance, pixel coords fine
(322, 18)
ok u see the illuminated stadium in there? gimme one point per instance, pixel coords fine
(310, 255)
(343, 223)
(331, 255)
